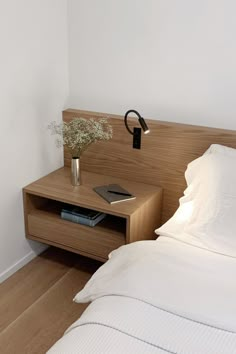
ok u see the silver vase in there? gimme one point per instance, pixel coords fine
(75, 175)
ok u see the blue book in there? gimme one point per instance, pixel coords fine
(83, 212)
(82, 220)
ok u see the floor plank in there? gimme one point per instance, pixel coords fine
(37, 322)
(28, 284)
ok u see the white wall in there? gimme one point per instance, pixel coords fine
(171, 60)
(33, 91)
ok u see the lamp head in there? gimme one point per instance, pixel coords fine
(144, 125)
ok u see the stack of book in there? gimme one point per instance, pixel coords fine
(81, 215)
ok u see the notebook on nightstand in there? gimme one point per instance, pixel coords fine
(114, 193)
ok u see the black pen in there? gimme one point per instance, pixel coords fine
(120, 193)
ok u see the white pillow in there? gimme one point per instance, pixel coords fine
(206, 216)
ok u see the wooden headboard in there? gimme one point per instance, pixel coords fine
(163, 157)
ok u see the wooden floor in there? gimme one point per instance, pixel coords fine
(36, 304)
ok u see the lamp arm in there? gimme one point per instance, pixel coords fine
(126, 116)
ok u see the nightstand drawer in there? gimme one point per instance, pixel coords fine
(97, 240)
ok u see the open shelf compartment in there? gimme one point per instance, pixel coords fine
(43, 221)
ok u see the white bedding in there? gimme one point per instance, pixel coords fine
(160, 296)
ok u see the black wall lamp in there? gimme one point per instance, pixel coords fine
(137, 131)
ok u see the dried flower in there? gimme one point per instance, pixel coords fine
(79, 133)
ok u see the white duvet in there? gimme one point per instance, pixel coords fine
(160, 296)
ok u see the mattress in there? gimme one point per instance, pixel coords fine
(157, 297)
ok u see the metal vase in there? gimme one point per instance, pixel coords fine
(75, 175)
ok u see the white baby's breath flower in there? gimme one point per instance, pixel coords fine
(79, 133)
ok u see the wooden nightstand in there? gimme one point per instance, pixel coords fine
(126, 222)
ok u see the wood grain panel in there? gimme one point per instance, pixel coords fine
(145, 220)
(162, 160)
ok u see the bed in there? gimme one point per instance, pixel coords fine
(175, 294)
